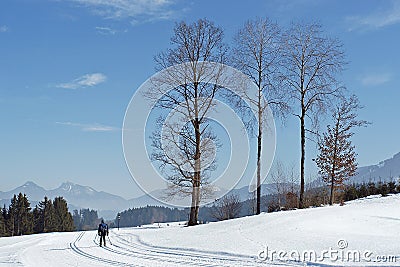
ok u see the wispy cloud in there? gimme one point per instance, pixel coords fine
(376, 20)
(87, 80)
(94, 127)
(106, 30)
(376, 79)
(135, 10)
(3, 28)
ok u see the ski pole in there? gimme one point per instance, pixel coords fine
(109, 240)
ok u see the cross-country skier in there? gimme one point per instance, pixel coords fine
(103, 231)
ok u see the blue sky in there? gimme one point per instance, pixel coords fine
(68, 69)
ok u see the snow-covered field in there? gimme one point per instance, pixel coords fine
(363, 232)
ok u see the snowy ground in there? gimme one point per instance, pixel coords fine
(363, 232)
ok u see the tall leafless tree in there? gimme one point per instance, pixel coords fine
(257, 54)
(312, 63)
(192, 96)
(337, 159)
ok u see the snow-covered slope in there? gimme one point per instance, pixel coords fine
(361, 233)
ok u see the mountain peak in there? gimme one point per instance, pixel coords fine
(30, 184)
(75, 189)
(67, 186)
(77, 196)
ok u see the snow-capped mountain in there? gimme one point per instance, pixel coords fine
(85, 196)
(77, 196)
(31, 189)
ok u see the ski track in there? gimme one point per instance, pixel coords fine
(139, 254)
(212, 259)
(79, 251)
(134, 252)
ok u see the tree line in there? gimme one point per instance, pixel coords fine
(230, 206)
(85, 219)
(151, 214)
(47, 216)
(159, 214)
(355, 191)
(319, 195)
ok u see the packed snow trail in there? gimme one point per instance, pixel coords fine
(82, 249)
(127, 250)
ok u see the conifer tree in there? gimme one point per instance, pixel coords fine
(12, 216)
(2, 225)
(37, 220)
(77, 220)
(4, 216)
(47, 216)
(46, 211)
(62, 219)
(24, 217)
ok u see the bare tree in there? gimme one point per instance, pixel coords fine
(228, 207)
(279, 178)
(178, 163)
(252, 202)
(292, 199)
(311, 64)
(293, 178)
(257, 54)
(192, 93)
(337, 159)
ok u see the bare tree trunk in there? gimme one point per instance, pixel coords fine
(258, 211)
(192, 216)
(302, 161)
(194, 210)
(259, 137)
(332, 192)
(335, 148)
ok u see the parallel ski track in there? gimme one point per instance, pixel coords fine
(77, 250)
(136, 249)
(157, 257)
(207, 258)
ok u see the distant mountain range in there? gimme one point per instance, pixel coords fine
(384, 171)
(108, 205)
(77, 196)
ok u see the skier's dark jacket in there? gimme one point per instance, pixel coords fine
(103, 229)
